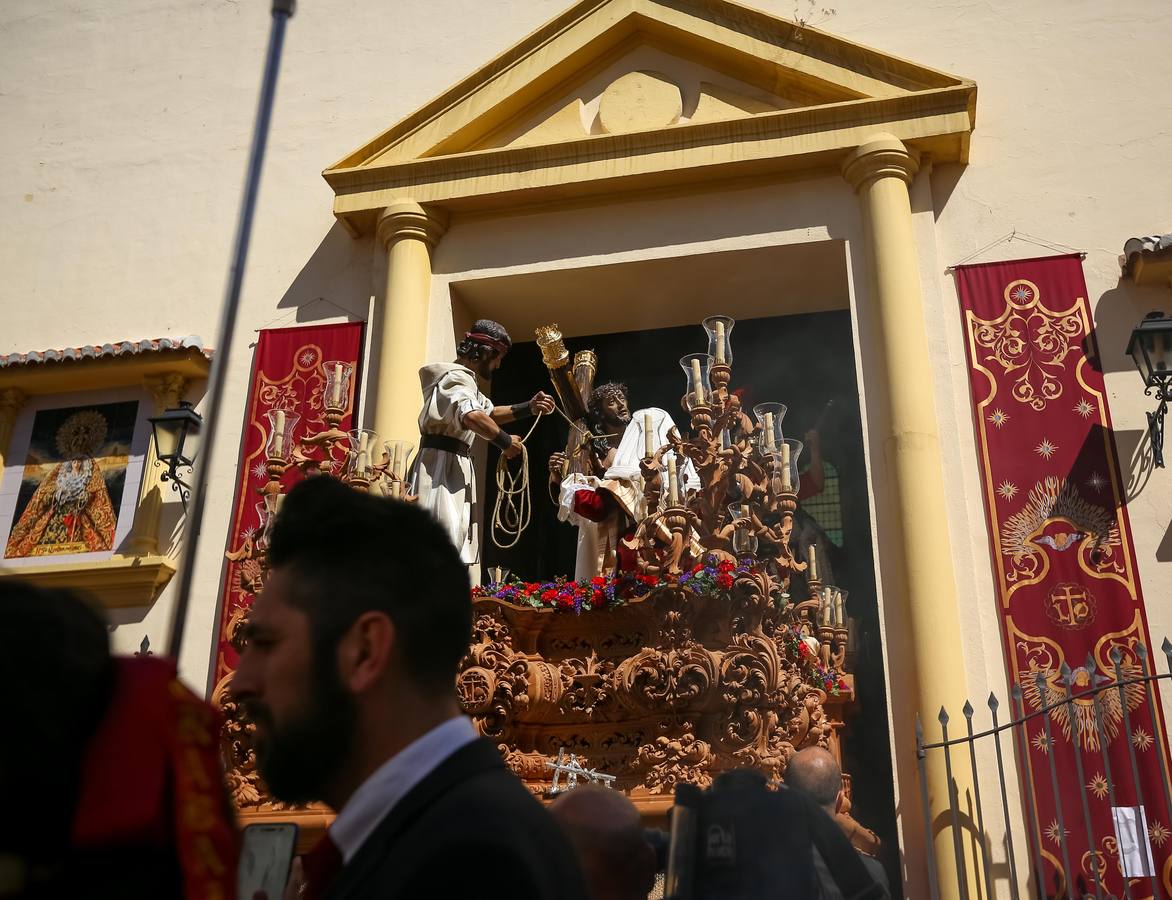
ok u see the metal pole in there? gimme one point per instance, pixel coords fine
(983, 839)
(282, 11)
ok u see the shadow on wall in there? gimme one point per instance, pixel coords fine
(1118, 311)
(335, 281)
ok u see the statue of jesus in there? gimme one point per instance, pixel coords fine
(607, 501)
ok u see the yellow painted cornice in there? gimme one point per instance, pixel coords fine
(115, 583)
(850, 91)
(103, 372)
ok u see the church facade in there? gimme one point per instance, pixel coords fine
(617, 166)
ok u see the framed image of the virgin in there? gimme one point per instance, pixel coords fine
(72, 477)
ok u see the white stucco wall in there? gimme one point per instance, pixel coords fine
(125, 126)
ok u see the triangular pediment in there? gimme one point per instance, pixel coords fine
(608, 68)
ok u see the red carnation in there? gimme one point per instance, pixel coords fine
(565, 601)
(598, 581)
(549, 595)
(725, 580)
(598, 600)
(725, 565)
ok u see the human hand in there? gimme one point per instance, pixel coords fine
(514, 448)
(294, 887)
(557, 464)
(541, 403)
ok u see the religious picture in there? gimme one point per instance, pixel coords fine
(73, 479)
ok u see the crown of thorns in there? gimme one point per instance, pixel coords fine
(609, 391)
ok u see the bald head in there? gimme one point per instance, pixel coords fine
(815, 772)
(607, 833)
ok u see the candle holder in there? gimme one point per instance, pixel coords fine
(696, 368)
(279, 445)
(744, 540)
(769, 433)
(396, 454)
(719, 329)
(336, 394)
(360, 470)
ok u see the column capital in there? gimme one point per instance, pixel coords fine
(406, 219)
(12, 399)
(882, 155)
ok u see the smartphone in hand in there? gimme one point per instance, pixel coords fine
(266, 854)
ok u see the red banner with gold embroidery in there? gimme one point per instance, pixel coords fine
(1065, 568)
(288, 374)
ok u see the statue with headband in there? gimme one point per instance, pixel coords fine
(455, 412)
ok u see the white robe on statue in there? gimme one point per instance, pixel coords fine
(445, 482)
(598, 541)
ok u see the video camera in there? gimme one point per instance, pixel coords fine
(739, 840)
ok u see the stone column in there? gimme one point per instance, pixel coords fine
(409, 232)
(143, 540)
(880, 171)
(11, 400)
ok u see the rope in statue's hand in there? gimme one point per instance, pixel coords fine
(513, 509)
(514, 503)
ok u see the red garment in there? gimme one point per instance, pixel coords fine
(320, 866)
(592, 505)
(150, 779)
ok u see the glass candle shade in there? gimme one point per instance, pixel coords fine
(826, 606)
(743, 540)
(696, 367)
(840, 596)
(769, 416)
(398, 452)
(360, 461)
(337, 389)
(794, 448)
(719, 330)
(497, 574)
(266, 514)
(282, 422)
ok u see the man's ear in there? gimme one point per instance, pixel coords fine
(366, 650)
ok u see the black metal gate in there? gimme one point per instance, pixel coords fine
(1085, 687)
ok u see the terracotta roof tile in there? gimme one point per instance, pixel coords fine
(100, 351)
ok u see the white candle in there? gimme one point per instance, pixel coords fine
(279, 433)
(363, 462)
(769, 441)
(673, 488)
(696, 381)
(827, 608)
(648, 436)
(280, 500)
(812, 555)
(838, 609)
(786, 481)
(363, 441)
(397, 460)
(745, 514)
(336, 393)
(719, 342)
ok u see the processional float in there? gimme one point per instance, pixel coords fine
(695, 662)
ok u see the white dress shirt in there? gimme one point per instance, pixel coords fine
(393, 780)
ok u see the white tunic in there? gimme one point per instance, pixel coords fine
(445, 482)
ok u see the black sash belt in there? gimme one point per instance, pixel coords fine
(443, 442)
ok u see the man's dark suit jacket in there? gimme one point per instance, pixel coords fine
(469, 829)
